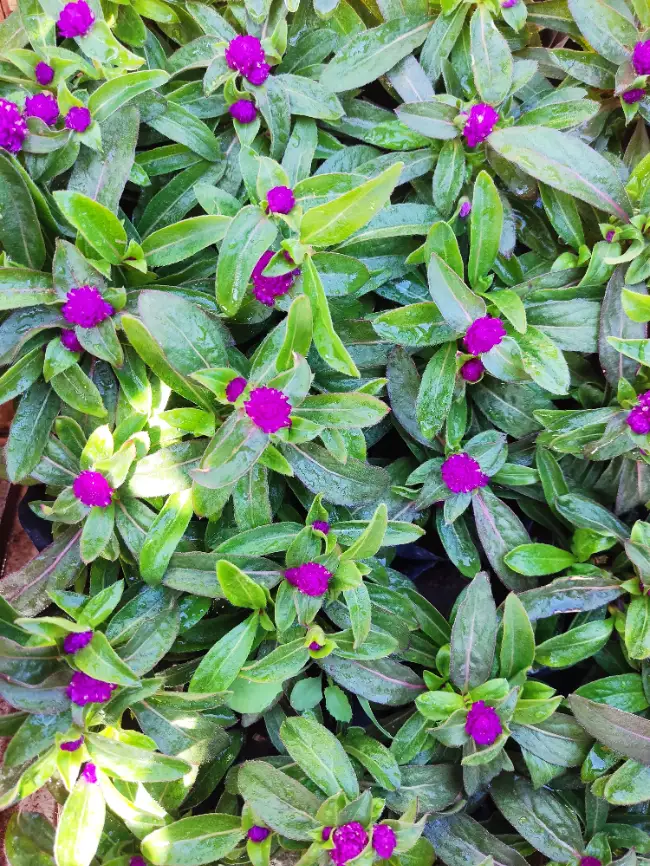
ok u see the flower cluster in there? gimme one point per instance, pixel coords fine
(481, 120)
(267, 289)
(76, 19)
(245, 54)
(84, 689)
(310, 578)
(638, 419)
(13, 128)
(484, 334)
(92, 489)
(269, 409)
(483, 724)
(86, 307)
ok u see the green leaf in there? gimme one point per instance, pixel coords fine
(233, 450)
(182, 240)
(608, 27)
(433, 119)
(458, 305)
(375, 757)
(282, 663)
(20, 287)
(238, 588)
(22, 375)
(461, 841)
(587, 514)
(248, 236)
(500, 530)
(309, 98)
(383, 681)
(327, 342)
(624, 733)
(164, 535)
(538, 559)
(193, 841)
(320, 755)
(543, 361)
(486, 223)
(95, 223)
(30, 430)
(436, 390)
(473, 636)
(80, 825)
(637, 627)
(343, 410)
(575, 645)
(133, 764)
(113, 94)
(491, 58)
(78, 391)
(220, 666)
(517, 651)
(172, 120)
(97, 531)
(280, 801)
(20, 232)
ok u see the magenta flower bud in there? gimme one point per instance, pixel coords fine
(259, 73)
(243, 110)
(590, 861)
(484, 334)
(85, 307)
(72, 745)
(76, 641)
(314, 646)
(70, 341)
(322, 525)
(641, 58)
(480, 122)
(75, 19)
(462, 474)
(235, 388)
(310, 578)
(384, 840)
(44, 73)
(258, 834)
(472, 370)
(42, 105)
(327, 832)
(609, 237)
(281, 199)
(465, 210)
(89, 773)
(267, 289)
(349, 842)
(137, 861)
(638, 419)
(78, 119)
(87, 690)
(268, 409)
(482, 724)
(245, 54)
(634, 95)
(508, 4)
(92, 489)
(13, 127)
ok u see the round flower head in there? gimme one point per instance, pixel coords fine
(85, 307)
(310, 578)
(89, 773)
(258, 74)
(634, 95)
(13, 127)
(78, 119)
(267, 289)
(137, 861)
(72, 745)
(641, 58)
(609, 237)
(322, 525)
(235, 388)
(243, 110)
(327, 832)
(462, 474)
(484, 334)
(638, 419)
(465, 210)
(87, 690)
(472, 370)
(508, 4)
(76, 641)
(44, 73)
(349, 842)
(480, 122)
(384, 840)
(482, 724)
(92, 489)
(590, 861)
(269, 409)
(258, 834)
(42, 105)
(70, 341)
(314, 646)
(75, 19)
(281, 199)
(245, 54)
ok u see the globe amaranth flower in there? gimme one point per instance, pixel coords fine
(634, 95)
(349, 841)
(280, 199)
(44, 73)
(314, 646)
(85, 307)
(321, 525)
(482, 724)
(13, 127)
(42, 105)
(472, 370)
(243, 110)
(508, 4)
(72, 745)
(327, 832)
(269, 409)
(609, 237)
(137, 861)
(480, 122)
(70, 341)
(589, 861)
(76, 641)
(78, 118)
(87, 690)
(258, 834)
(75, 19)
(462, 474)
(638, 419)
(92, 489)
(267, 289)
(310, 578)
(465, 210)
(245, 54)
(484, 334)
(641, 58)
(235, 388)
(384, 840)
(89, 773)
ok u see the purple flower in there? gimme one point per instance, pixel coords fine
(310, 578)
(384, 840)
(75, 19)
(634, 95)
(472, 370)
(268, 409)
(482, 724)
(590, 861)
(235, 388)
(76, 640)
(480, 122)
(638, 419)
(72, 745)
(13, 127)
(44, 73)
(78, 119)
(465, 210)
(267, 289)
(245, 54)
(70, 341)
(314, 646)
(85, 307)
(92, 489)
(89, 773)
(137, 861)
(281, 199)
(42, 105)
(243, 110)
(322, 525)
(349, 842)
(508, 4)
(462, 474)
(259, 74)
(641, 58)
(258, 834)
(609, 237)
(484, 334)
(327, 832)
(87, 690)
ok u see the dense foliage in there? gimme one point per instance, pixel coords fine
(301, 301)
